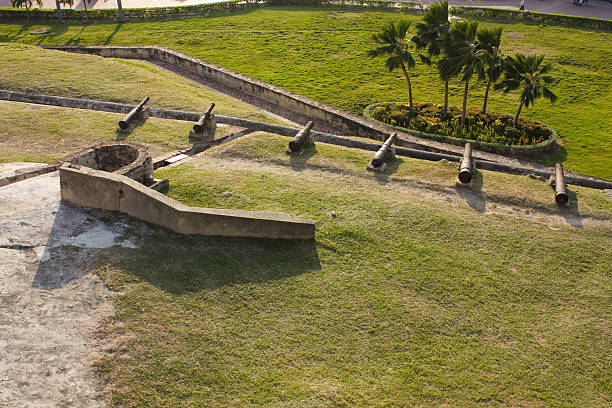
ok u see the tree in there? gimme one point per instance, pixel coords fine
(27, 4)
(59, 12)
(431, 35)
(529, 73)
(70, 3)
(121, 15)
(462, 53)
(492, 61)
(393, 41)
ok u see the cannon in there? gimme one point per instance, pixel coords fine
(561, 196)
(136, 111)
(466, 165)
(303, 137)
(201, 124)
(385, 151)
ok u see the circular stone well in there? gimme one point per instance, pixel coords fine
(128, 159)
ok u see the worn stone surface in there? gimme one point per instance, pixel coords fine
(50, 303)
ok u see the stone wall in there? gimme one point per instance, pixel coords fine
(86, 187)
(129, 159)
(350, 124)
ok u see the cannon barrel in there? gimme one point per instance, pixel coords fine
(125, 122)
(561, 196)
(466, 166)
(296, 144)
(201, 123)
(381, 154)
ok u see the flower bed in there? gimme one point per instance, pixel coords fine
(493, 132)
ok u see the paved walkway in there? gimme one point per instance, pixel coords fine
(595, 8)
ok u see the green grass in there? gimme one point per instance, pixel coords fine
(401, 300)
(39, 133)
(36, 70)
(322, 54)
(519, 192)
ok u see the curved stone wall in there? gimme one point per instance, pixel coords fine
(128, 159)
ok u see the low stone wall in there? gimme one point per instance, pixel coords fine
(86, 187)
(349, 123)
(483, 160)
(25, 174)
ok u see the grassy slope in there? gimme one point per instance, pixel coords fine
(322, 54)
(400, 301)
(32, 69)
(45, 133)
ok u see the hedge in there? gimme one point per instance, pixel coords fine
(132, 13)
(556, 19)
(234, 5)
(529, 151)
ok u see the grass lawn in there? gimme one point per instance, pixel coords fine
(32, 69)
(322, 54)
(45, 133)
(411, 296)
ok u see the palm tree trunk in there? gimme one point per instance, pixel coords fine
(465, 93)
(121, 15)
(60, 20)
(486, 97)
(445, 97)
(516, 124)
(409, 85)
(86, 15)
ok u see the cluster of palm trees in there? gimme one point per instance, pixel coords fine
(462, 49)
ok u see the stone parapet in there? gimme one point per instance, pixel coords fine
(86, 187)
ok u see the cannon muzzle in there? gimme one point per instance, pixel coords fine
(561, 196)
(381, 154)
(125, 122)
(199, 126)
(466, 166)
(298, 141)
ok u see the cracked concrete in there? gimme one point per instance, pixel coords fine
(50, 303)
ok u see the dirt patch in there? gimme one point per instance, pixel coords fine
(514, 34)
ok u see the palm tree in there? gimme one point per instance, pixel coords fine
(121, 14)
(27, 4)
(431, 34)
(493, 63)
(462, 53)
(529, 73)
(60, 20)
(393, 41)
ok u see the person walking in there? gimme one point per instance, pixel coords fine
(522, 5)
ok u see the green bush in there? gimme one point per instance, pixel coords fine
(557, 19)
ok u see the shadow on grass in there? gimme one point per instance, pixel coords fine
(81, 238)
(111, 35)
(184, 264)
(55, 31)
(123, 134)
(570, 212)
(472, 193)
(382, 177)
(558, 156)
(298, 161)
(8, 38)
(76, 40)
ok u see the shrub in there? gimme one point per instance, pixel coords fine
(490, 127)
